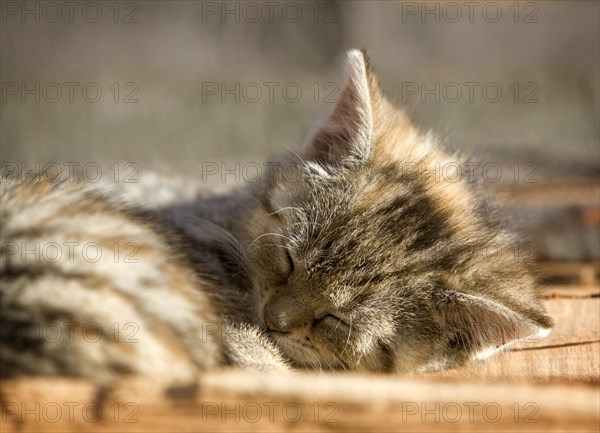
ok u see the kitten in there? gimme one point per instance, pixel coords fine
(355, 262)
(381, 267)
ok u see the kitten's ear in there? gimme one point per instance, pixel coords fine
(480, 327)
(348, 132)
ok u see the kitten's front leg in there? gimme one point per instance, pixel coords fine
(248, 347)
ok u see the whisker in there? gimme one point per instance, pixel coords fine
(297, 209)
(347, 339)
(268, 234)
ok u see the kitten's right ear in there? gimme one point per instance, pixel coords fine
(348, 132)
(480, 327)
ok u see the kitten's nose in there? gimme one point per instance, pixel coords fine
(283, 315)
(275, 321)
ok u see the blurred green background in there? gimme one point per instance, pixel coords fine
(157, 64)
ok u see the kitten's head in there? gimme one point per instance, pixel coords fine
(366, 258)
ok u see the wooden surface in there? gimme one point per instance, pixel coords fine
(240, 401)
(563, 192)
(549, 385)
(583, 274)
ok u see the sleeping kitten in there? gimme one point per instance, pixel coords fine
(355, 262)
(379, 266)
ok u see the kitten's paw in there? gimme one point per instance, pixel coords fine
(248, 347)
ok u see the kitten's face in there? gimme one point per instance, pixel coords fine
(362, 264)
(338, 286)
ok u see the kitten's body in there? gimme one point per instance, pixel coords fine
(356, 262)
(76, 266)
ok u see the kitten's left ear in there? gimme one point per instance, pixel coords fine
(348, 132)
(480, 327)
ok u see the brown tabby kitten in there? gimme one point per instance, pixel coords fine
(355, 262)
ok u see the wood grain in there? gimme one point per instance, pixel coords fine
(242, 401)
(549, 385)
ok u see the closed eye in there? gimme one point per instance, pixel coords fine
(290, 261)
(329, 320)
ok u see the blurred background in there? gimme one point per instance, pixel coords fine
(170, 85)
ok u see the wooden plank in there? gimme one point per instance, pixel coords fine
(242, 401)
(585, 273)
(561, 363)
(569, 291)
(576, 321)
(582, 192)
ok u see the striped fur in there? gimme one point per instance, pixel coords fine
(94, 288)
